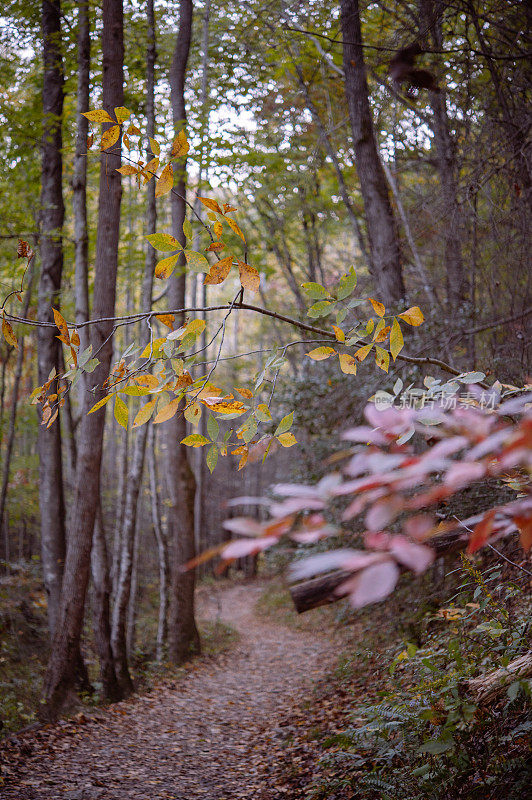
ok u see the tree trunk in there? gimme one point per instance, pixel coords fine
(183, 636)
(134, 479)
(79, 179)
(162, 548)
(432, 11)
(51, 500)
(13, 411)
(60, 673)
(101, 603)
(382, 230)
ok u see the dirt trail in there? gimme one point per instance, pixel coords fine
(205, 736)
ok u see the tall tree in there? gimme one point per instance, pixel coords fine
(183, 636)
(60, 673)
(134, 480)
(51, 498)
(383, 236)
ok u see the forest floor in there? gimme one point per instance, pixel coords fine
(215, 733)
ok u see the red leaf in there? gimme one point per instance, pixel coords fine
(525, 531)
(481, 532)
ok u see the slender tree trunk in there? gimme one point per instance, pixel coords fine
(60, 673)
(431, 14)
(132, 603)
(183, 636)
(6, 461)
(162, 548)
(123, 461)
(79, 179)
(101, 603)
(51, 500)
(134, 479)
(381, 225)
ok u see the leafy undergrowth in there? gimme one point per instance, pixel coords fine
(24, 645)
(395, 720)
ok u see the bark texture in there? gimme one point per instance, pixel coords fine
(51, 498)
(183, 637)
(385, 253)
(59, 677)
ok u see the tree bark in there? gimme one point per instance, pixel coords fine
(51, 499)
(13, 411)
(134, 479)
(385, 253)
(162, 548)
(60, 673)
(101, 617)
(432, 11)
(183, 636)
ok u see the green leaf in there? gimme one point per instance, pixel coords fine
(285, 424)
(320, 309)
(163, 242)
(346, 284)
(196, 261)
(212, 457)
(315, 290)
(187, 229)
(471, 377)
(263, 413)
(436, 747)
(213, 428)
(121, 412)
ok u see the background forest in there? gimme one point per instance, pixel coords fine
(350, 155)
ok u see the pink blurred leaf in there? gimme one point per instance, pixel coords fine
(245, 526)
(463, 473)
(247, 547)
(371, 585)
(416, 557)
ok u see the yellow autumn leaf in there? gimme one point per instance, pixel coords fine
(168, 411)
(378, 308)
(362, 352)
(338, 332)
(219, 271)
(180, 145)
(98, 116)
(74, 339)
(218, 229)
(347, 364)
(193, 413)
(127, 169)
(147, 380)
(195, 440)
(212, 205)
(412, 316)
(234, 227)
(287, 439)
(165, 181)
(61, 324)
(8, 333)
(225, 406)
(321, 353)
(152, 347)
(150, 169)
(165, 267)
(381, 331)
(196, 326)
(244, 392)
(122, 114)
(110, 137)
(382, 358)
(154, 146)
(101, 403)
(396, 339)
(249, 276)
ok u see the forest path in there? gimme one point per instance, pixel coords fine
(205, 736)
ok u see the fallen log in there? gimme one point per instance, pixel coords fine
(486, 687)
(321, 591)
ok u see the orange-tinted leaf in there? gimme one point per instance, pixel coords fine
(362, 352)
(165, 181)
(74, 338)
(8, 332)
(61, 324)
(168, 411)
(228, 208)
(244, 392)
(249, 276)
(127, 169)
(219, 271)
(147, 380)
(166, 319)
(481, 532)
(235, 228)
(98, 116)
(214, 247)
(378, 308)
(218, 229)
(525, 531)
(212, 205)
(412, 316)
(180, 145)
(23, 249)
(338, 332)
(145, 413)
